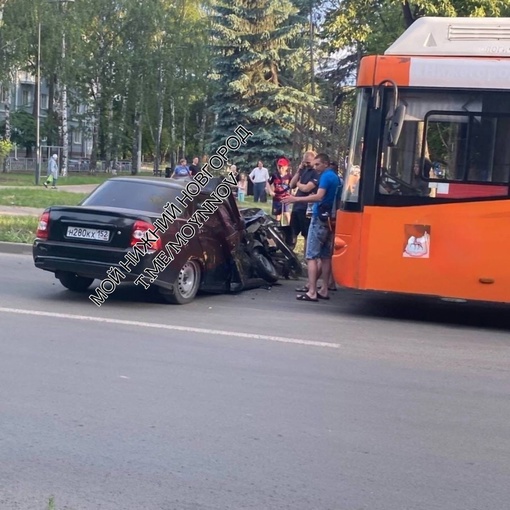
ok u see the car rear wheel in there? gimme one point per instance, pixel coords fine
(74, 282)
(264, 267)
(186, 284)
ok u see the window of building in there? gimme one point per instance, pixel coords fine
(77, 137)
(4, 94)
(76, 110)
(44, 101)
(25, 97)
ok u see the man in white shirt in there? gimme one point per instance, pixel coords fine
(260, 177)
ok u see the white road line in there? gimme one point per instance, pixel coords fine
(154, 325)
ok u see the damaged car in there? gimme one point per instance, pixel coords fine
(233, 250)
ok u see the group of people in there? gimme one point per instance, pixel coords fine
(276, 185)
(319, 188)
(185, 170)
(308, 201)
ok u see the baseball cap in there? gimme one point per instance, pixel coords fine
(283, 162)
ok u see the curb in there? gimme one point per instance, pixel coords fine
(16, 248)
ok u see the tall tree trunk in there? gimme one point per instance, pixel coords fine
(119, 127)
(110, 137)
(294, 138)
(312, 65)
(301, 143)
(173, 161)
(159, 129)
(65, 125)
(65, 134)
(51, 109)
(96, 92)
(7, 110)
(185, 116)
(137, 126)
(35, 109)
(120, 130)
(203, 125)
(7, 86)
(139, 148)
(408, 15)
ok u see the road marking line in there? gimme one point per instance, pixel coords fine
(171, 327)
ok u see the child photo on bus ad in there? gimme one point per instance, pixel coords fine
(417, 241)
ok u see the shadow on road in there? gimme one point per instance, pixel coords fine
(343, 304)
(425, 309)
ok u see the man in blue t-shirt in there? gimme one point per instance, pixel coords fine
(320, 236)
(182, 169)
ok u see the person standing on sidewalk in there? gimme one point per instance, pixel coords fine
(320, 236)
(52, 172)
(259, 176)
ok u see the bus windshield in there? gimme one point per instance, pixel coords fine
(450, 141)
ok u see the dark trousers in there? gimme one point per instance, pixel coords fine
(259, 192)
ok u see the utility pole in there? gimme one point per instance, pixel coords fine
(38, 109)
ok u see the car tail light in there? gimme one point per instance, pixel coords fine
(139, 229)
(44, 226)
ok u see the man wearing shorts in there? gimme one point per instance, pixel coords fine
(305, 181)
(320, 236)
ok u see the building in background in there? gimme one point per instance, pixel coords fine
(23, 91)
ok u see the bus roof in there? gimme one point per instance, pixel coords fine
(435, 36)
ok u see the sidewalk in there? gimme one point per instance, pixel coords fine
(14, 210)
(73, 188)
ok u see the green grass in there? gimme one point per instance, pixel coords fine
(18, 229)
(248, 202)
(40, 198)
(28, 179)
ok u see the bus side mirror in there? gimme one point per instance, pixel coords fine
(396, 123)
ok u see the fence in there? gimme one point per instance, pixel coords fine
(28, 165)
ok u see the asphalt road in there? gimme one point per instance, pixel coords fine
(255, 401)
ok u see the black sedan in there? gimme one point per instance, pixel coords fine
(96, 239)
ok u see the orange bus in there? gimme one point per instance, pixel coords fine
(426, 205)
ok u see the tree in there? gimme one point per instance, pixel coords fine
(23, 130)
(253, 43)
(5, 149)
(370, 26)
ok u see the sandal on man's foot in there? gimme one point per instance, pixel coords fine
(322, 297)
(304, 288)
(305, 297)
(332, 289)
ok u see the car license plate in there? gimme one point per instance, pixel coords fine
(88, 233)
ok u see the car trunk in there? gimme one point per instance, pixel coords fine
(102, 233)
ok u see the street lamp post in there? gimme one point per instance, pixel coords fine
(38, 110)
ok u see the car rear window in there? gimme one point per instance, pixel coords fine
(136, 195)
